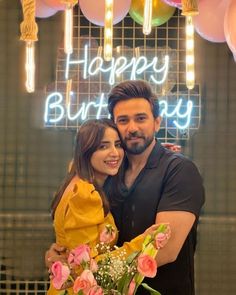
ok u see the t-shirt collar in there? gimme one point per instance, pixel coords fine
(155, 155)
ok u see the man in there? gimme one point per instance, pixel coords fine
(158, 186)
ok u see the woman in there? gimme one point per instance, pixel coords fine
(80, 208)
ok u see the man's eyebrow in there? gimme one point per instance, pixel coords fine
(122, 116)
(141, 114)
(138, 114)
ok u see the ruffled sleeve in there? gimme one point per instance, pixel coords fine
(84, 207)
(79, 216)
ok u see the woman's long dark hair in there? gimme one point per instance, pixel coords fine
(87, 141)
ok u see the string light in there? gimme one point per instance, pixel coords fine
(68, 32)
(190, 73)
(29, 30)
(108, 30)
(137, 52)
(68, 90)
(99, 54)
(147, 17)
(118, 51)
(30, 67)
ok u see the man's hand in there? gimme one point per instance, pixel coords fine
(55, 253)
(171, 146)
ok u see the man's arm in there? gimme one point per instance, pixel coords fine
(181, 223)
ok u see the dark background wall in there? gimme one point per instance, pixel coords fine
(33, 160)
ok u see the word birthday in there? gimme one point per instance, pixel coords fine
(118, 66)
(56, 110)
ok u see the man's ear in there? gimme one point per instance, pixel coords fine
(158, 123)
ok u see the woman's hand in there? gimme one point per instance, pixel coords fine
(53, 254)
(58, 253)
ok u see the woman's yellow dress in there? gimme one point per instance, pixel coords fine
(79, 219)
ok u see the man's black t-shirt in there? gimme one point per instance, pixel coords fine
(168, 182)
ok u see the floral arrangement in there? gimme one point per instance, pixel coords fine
(113, 274)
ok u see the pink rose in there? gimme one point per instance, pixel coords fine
(131, 287)
(60, 274)
(95, 290)
(79, 254)
(93, 265)
(147, 266)
(162, 238)
(108, 234)
(84, 282)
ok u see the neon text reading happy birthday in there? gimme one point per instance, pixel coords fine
(58, 107)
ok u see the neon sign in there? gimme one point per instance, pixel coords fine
(61, 110)
(84, 79)
(117, 66)
(176, 112)
(54, 104)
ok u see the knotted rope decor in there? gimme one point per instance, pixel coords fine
(28, 28)
(189, 7)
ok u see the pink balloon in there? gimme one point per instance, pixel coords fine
(42, 10)
(94, 10)
(175, 3)
(209, 24)
(230, 26)
(56, 4)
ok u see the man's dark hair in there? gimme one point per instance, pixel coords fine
(133, 89)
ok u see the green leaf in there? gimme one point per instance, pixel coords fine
(131, 257)
(126, 284)
(147, 240)
(161, 228)
(151, 290)
(121, 283)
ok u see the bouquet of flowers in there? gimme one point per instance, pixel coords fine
(113, 274)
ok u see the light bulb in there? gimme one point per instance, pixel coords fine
(190, 74)
(30, 67)
(68, 90)
(68, 31)
(108, 30)
(147, 17)
(137, 52)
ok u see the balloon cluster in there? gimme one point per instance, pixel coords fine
(94, 10)
(216, 21)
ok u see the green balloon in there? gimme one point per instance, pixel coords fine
(161, 12)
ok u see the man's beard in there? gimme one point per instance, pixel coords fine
(137, 148)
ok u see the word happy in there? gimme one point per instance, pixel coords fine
(117, 66)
